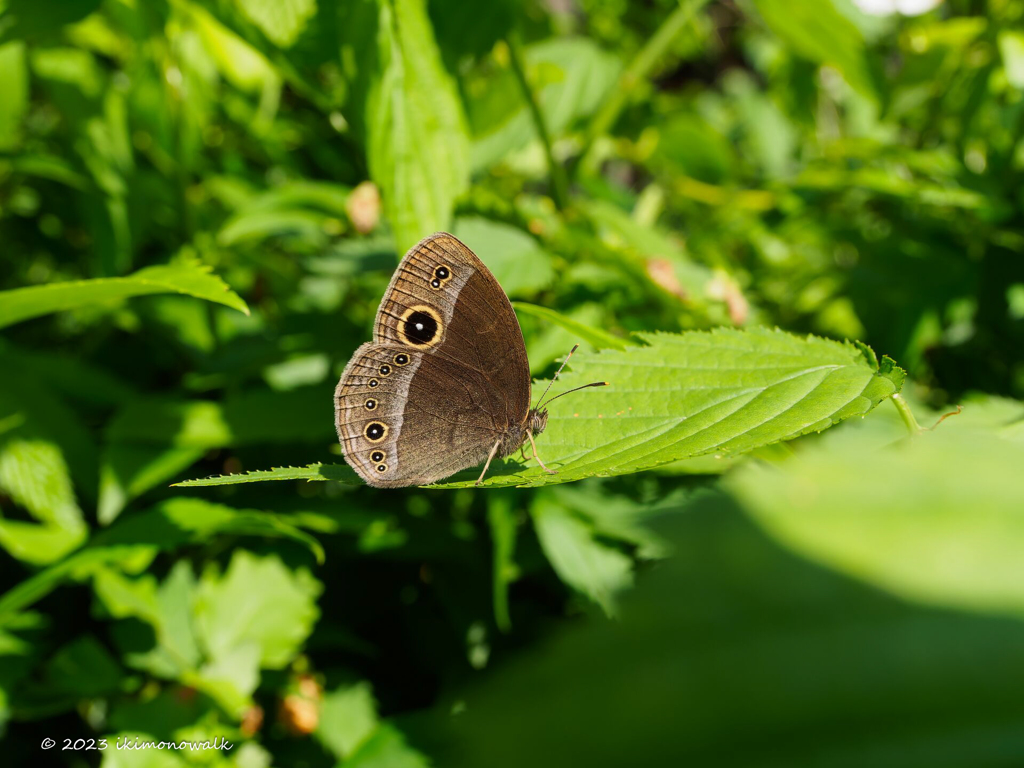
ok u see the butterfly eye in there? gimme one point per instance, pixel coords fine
(382, 467)
(401, 359)
(442, 273)
(377, 456)
(385, 370)
(373, 383)
(370, 404)
(375, 431)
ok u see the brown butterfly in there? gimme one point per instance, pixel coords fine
(445, 383)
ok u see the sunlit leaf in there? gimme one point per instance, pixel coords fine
(723, 392)
(13, 93)
(595, 336)
(282, 21)
(936, 519)
(191, 279)
(417, 143)
(816, 30)
(275, 619)
(516, 259)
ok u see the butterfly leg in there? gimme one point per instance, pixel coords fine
(490, 456)
(529, 434)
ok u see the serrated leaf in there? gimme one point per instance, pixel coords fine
(595, 336)
(339, 472)
(417, 140)
(276, 618)
(191, 279)
(138, 537)
(682, 395)
(721, 392)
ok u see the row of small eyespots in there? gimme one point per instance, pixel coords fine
(385, 370)
(376, 431)
(441, 276)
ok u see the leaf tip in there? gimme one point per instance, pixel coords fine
(890, 370)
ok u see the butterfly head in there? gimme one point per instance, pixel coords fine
(537, 420)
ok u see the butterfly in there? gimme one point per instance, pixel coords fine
(445, 383)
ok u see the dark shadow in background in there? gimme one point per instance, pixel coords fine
(735, 652)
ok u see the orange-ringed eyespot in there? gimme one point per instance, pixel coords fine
(377, 456)
(442, 273)
(401, 359)
(370, 404)
(382, 467)
(375, 431)
(420, 326)
(385, 370)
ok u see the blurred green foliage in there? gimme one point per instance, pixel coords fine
(201, 204)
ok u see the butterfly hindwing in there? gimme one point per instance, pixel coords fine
(416, 423)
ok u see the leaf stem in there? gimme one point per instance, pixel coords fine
(559, 181)
(907, 415)
(637, 72)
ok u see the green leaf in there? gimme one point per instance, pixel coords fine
(817, 31)
(276, 618)
(516, 260)
(192, 279)
(253, 227)
(936, 519)
(386, 748)
(339, 472)
(39, 544)
(579, 559)
(722, 392)
(653, 251)
(282, 21)
(595, 336)
(128, 471)
(135, 539)
(501, 519)
(571, 77)
(34, 474)
(1011, 49)
(259, 416)
(736, 647)
(417, 142)
(13, 93)
(348, 716)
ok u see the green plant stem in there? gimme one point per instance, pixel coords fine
(907, 415)
(559, 181)
(637, 72)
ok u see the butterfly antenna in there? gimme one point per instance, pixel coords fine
(541, 400)
(575, 389)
